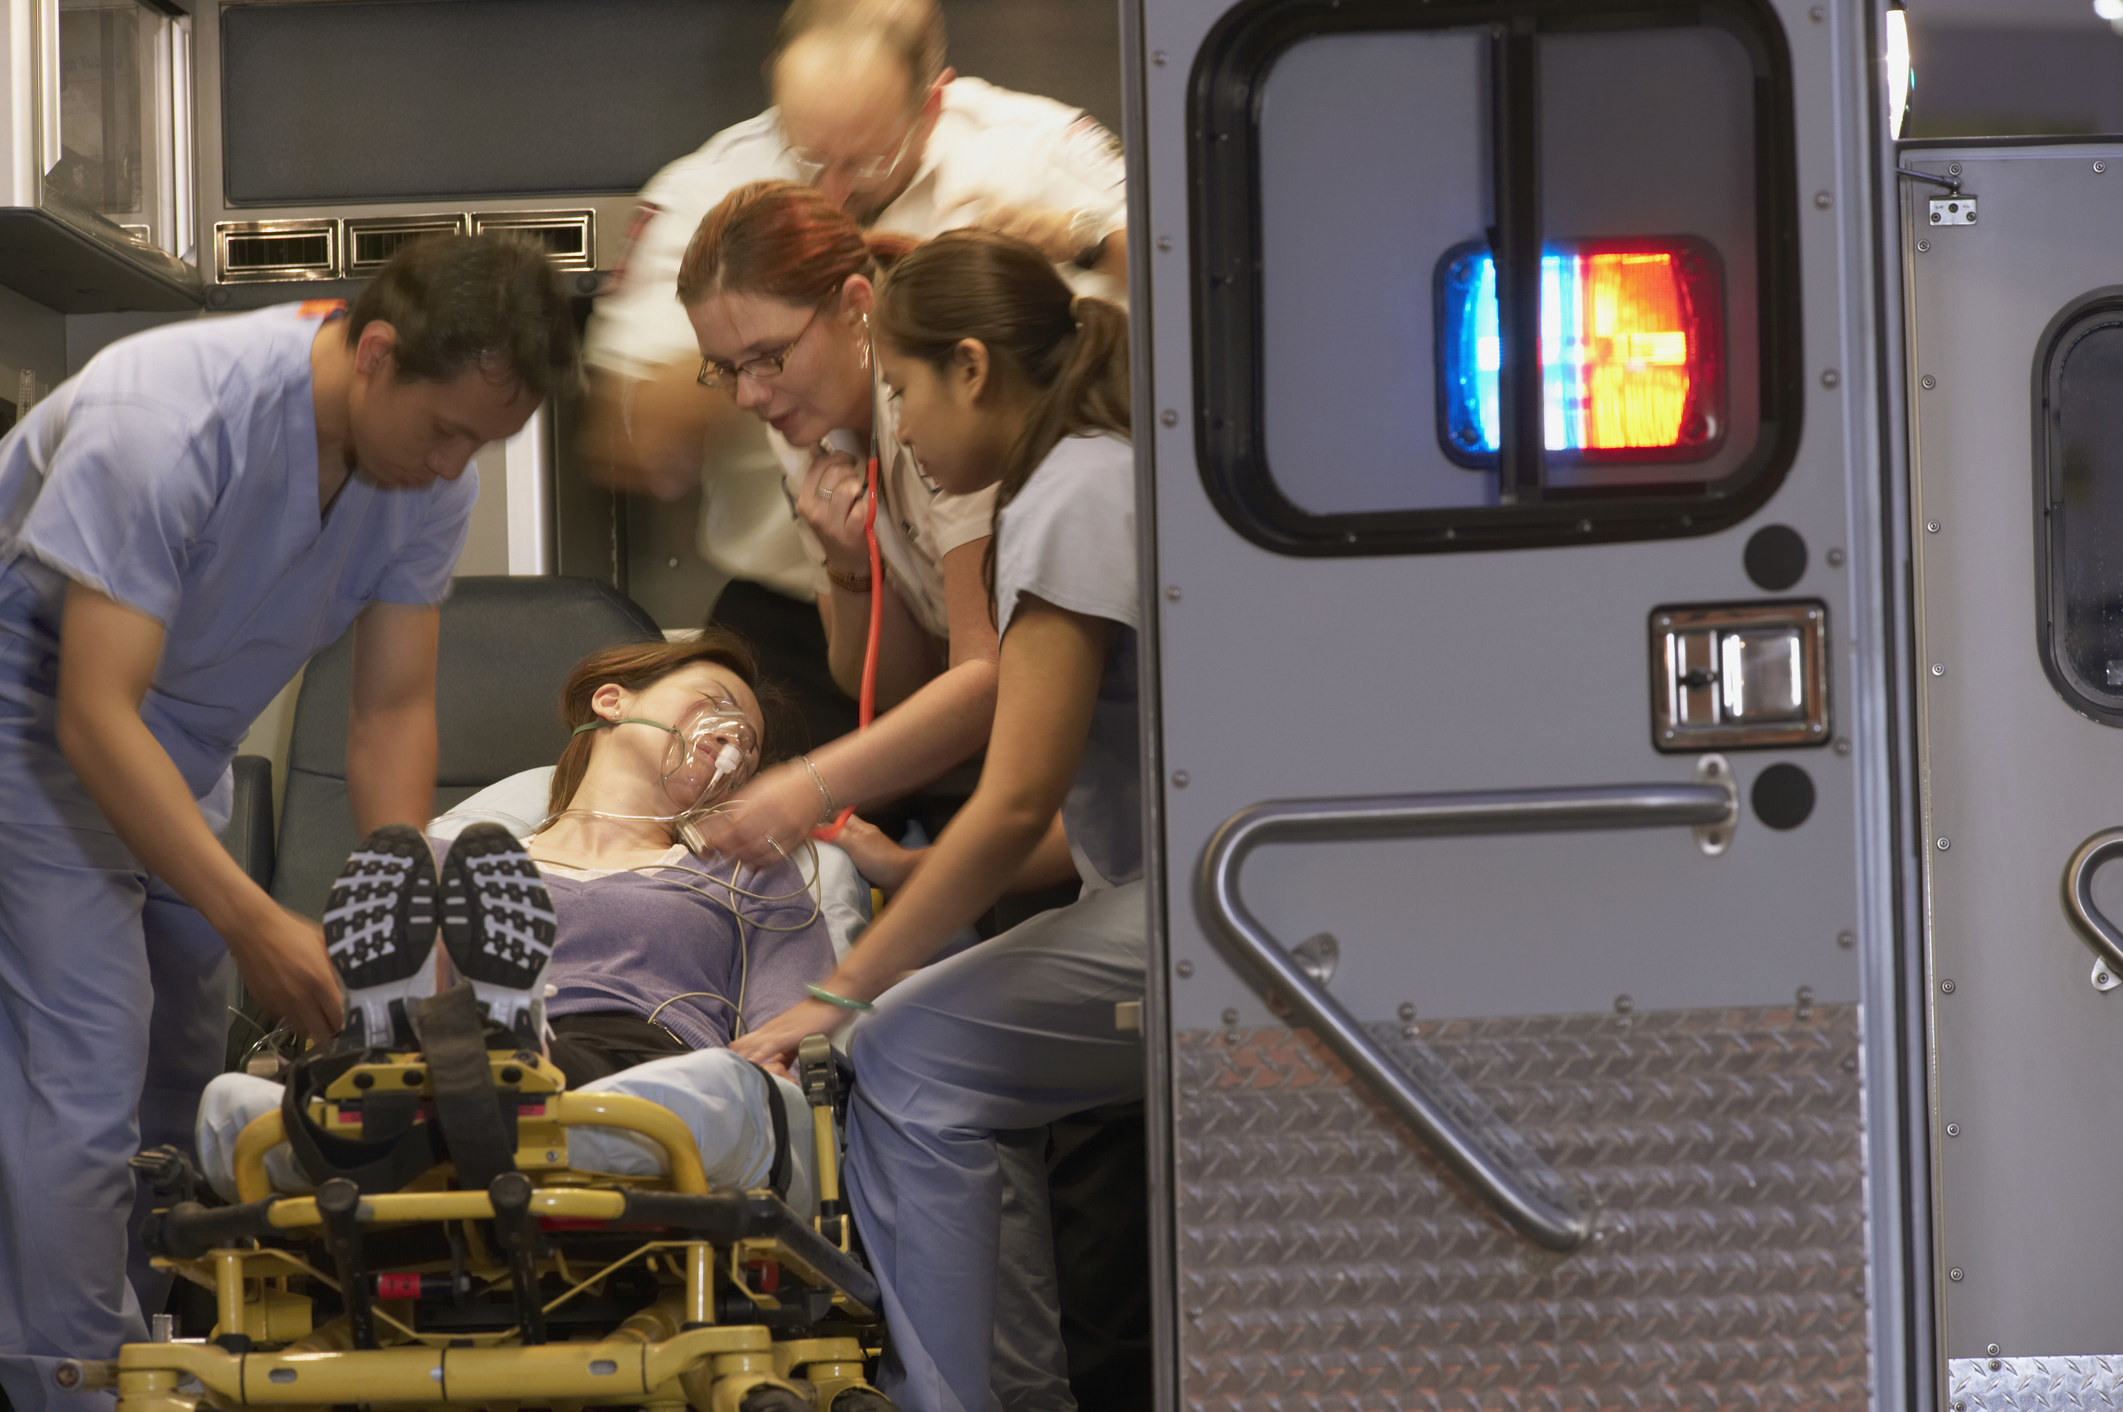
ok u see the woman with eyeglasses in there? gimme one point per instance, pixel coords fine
(778, 285)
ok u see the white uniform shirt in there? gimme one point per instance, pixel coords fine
(990, 147)
(917, 524)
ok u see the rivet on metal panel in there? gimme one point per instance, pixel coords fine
(1179, 779)
(2100, 167)
(1927, 382)
(1954, 1274)
(552, 1156)
(1408, 1031)
(1995, 1364)
(1947, 987)
(1953, 169)
(2104, 980)
(1938, 669)
(1665, 621)
(1944, 844)
(1822, 200)
(1623, 1004)
(1164, 242)
(1846, 940)
(1172, 593)
(1813, 615)
(1831, 378)
(1953, 1129)
(1923, 246)
(1834, 558)
(1850, 1065)
(1168, 417)
(1407, 1011)
(1802, 1009)
(1231, 1015)
(1184, 969)
(1817, 13)
(1993, 1350)
(1931, 527)
(1842, 747)
(1160, 58)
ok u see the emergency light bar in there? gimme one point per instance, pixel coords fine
(1631, 358)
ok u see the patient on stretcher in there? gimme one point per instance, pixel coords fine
(631, 957)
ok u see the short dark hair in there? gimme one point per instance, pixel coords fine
(460, 301)
(911, 29)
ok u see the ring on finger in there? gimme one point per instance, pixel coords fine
(825, 495)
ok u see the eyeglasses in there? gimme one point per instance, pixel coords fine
(811, 163)
(765, 365)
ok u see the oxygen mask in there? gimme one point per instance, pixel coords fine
(713, 749)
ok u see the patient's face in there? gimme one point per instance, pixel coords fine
(667, 701)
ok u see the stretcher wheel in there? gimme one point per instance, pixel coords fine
(863, 1399)
(768, 1398)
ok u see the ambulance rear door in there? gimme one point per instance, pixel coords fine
(1523, 1007)
(2015, 279)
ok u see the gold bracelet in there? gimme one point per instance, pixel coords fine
(823, 792)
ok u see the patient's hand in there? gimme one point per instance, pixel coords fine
(773, 1045)
(886, 864)
(782, 804)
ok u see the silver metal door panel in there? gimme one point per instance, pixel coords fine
(2015, 779)
(1318, 1252)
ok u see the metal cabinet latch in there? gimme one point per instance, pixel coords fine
(1738, 675)
(1953, 211)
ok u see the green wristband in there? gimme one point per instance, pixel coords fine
(860, 1007)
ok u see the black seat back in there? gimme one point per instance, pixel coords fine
(507, 644)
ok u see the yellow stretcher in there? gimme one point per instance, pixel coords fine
(552, 1288)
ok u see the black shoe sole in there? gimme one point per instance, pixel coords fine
(497, 923)
(380, 927)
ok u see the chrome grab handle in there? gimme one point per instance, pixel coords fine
(1549, 1218)
(2099, 932)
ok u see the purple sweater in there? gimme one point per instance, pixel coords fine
(631, 941)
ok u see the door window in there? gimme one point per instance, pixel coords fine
(1480, 285)
(2079, 503)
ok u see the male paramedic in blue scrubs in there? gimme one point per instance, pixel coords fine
(181, 525)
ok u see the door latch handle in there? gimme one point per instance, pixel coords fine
(2094, 925)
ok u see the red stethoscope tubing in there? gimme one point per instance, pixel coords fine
(866, 702)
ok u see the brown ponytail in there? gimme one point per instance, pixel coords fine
(782, 240)
(1072, 352)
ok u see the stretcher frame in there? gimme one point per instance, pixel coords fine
(696, 1241)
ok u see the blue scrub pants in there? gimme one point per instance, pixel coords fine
(112, 1020)
(961, 1061)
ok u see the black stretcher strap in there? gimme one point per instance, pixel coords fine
(778, 1173)
(452, 1035)
(392, 1150)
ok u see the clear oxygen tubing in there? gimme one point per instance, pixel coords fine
(866, 701)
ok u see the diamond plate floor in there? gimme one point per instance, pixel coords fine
(1328, 1262)
(2087, 1384)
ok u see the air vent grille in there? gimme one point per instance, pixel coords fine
(371, 243)
(246, 251)
(568, 238)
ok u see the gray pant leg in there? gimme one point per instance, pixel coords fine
(190, 968)
(1031, 1369)
(75, 1005)
(1008, 1036)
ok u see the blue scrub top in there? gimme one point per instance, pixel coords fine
(177, 473)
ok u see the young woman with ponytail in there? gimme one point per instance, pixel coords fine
(778, 283)
(1001, 380)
